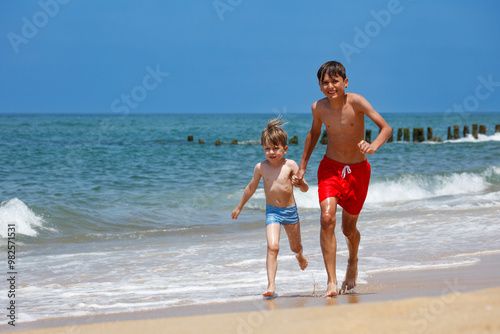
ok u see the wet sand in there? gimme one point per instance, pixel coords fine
(458, 299)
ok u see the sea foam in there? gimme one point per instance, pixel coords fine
(417, 186)
(480, 138)
(410, 187)
(16, 212)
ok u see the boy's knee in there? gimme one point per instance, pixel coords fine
(349, 231)
(328, 220)
(296, 248)
(273, 247)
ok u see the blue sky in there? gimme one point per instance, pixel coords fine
(248, 56)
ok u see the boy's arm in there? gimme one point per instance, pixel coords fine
(249, 191)
(310, 144)
(385, 130)
(301, 184)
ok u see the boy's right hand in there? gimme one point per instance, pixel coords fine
(235, 214)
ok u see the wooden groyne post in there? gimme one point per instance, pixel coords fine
(406, 134)
(456, 131)
(368, 136)
(400, 134)
(482, 129)
(455, 134)
(466, 130)
(418, 135)
(474, 130)
(324, 138)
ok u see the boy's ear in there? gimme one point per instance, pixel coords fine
(286, 148)
(346, 81)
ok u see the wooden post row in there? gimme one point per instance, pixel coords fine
(418, 134)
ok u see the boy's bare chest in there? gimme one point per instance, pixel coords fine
(342, 122)
(277, 177)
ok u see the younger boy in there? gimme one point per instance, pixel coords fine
(280, 202)
(344, 172)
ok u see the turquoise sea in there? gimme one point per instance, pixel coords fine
(121, 213)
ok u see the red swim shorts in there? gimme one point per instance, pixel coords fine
(349, 183)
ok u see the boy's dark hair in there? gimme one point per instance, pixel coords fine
(273, 133)
(332, 68)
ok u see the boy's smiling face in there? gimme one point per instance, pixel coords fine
(274, 153)
(333, 87)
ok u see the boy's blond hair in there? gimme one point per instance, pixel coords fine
(273, 133)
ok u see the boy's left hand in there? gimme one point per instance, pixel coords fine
(365, 147)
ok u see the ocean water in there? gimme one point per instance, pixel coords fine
(121, 213)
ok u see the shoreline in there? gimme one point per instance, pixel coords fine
(385, 287)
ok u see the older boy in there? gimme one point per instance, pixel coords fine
(280, 202)
(344, 172)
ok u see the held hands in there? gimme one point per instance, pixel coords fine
(365, 147)
(298, 179)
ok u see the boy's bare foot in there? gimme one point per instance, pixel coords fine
(331, 290)
(350, 276)
(270, 290)
(268, 294)
(302, 260)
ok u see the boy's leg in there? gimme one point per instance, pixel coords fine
(329, 242)
(273, 241)
(293, 232)
(353, 238)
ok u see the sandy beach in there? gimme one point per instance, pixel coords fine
(448, 300)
